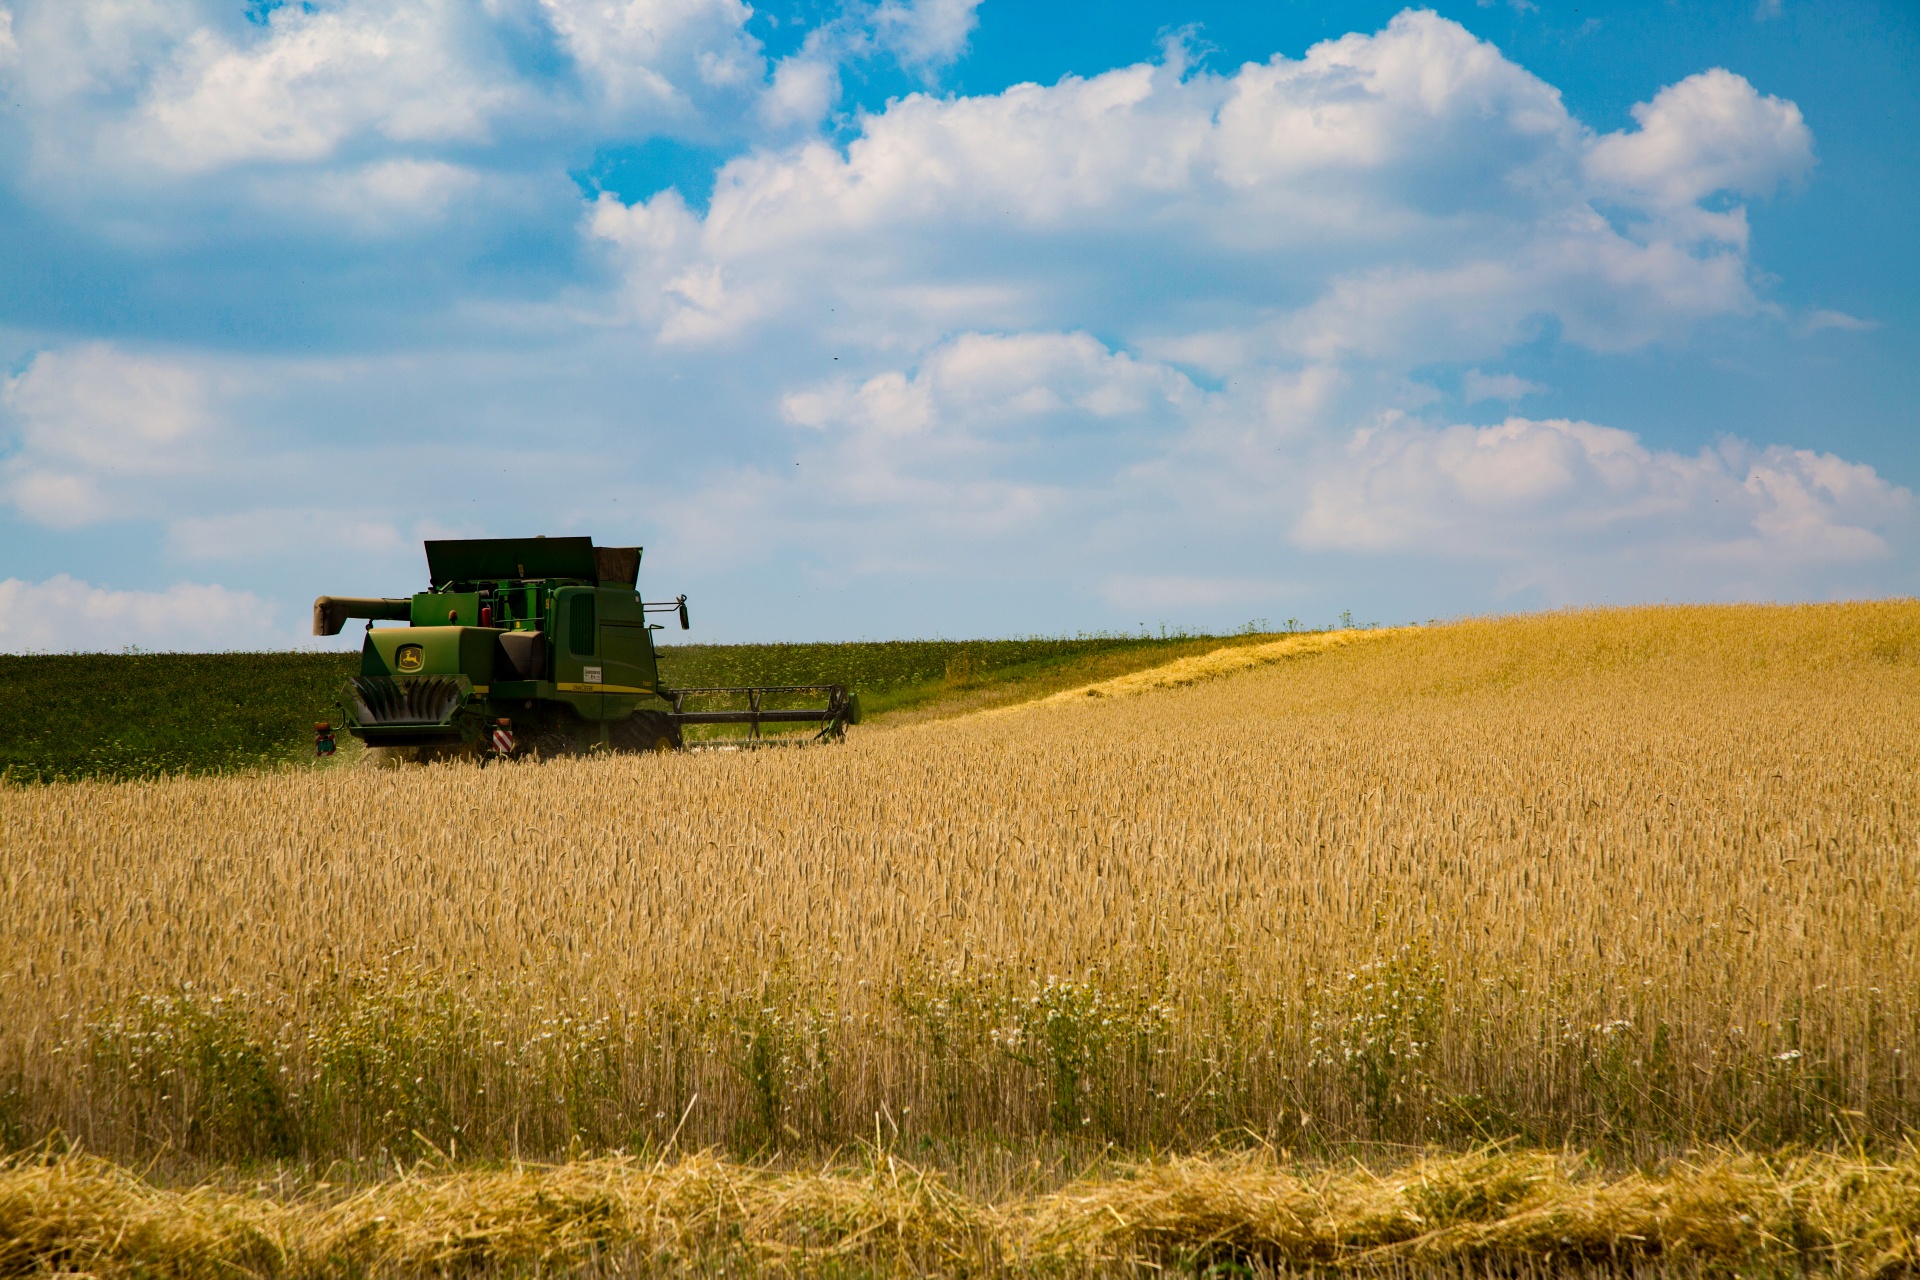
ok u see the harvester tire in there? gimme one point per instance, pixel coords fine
(646, 731)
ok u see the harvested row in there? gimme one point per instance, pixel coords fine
(1490, 1212)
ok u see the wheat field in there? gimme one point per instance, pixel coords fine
(1630, 880)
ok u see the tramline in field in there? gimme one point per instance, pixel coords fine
(541, 646)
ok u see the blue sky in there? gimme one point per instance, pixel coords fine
(916, 317)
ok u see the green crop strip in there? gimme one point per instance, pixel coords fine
(110, 715)
(117, 716)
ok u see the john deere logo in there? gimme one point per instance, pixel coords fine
(410, 657)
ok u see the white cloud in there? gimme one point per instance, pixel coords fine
(1476, 386)
(142, 115)
(655, 56)
(989, 423)
(76, 51)
(919, 35)
(1109, 336)
(1537, 490)
(311, 83)
(434, 73)
(1051, 453)
(159, 93)
(63, 613)
(1711, 132)
(985, 379)
(805, 87)
(1407, 196)
(1386, 202)
(90, 423)
(925, 33)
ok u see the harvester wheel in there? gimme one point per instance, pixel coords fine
(646, 731)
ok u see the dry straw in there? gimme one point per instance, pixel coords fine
(1715, 1213)
(1638, 879)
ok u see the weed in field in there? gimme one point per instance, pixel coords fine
(193, 1070)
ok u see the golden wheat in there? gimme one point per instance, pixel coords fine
(1643, 876)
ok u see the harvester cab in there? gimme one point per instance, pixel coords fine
(542, 646)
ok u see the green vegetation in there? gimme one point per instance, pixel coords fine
(888, 673)
(925, 676)
(129, 715)
(109, 715)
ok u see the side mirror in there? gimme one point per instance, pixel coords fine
(683, 613)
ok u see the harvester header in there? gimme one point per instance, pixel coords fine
(537, 646)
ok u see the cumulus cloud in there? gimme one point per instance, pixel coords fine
(378, 116)
(193, 94)
(1408, 195)
(64, 614)
(1110, 335)
(314, 81)
(805, 86)
(1043, 453)
(990, 425)
(925, 33)
(1530, 489)
(178, 89)
(922, 36)
(652, 54)
(1387, 202)
(1711, 132)
(91, 422)
(980, 379)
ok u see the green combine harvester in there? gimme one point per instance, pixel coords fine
(541, 647)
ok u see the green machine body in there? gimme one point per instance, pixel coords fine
(538, 645)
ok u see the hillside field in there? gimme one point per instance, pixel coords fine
(134, 715)
(1581, 940)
